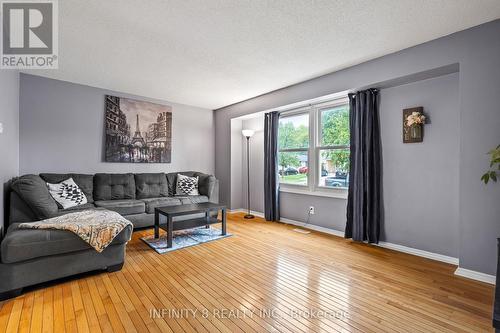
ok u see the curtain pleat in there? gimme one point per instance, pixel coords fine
(271, 179)
(364, 202)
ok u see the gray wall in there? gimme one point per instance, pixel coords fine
(477, 51)
(329, 212)
(62, 130)
(9, 139)
(420, 180)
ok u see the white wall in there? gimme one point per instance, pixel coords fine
(62, 130)
(236, 165)
(256, 164)
(9, 139)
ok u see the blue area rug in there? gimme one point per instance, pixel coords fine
(183, 238)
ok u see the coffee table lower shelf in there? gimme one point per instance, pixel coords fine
(170, 226)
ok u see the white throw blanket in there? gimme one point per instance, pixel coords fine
(97, 227)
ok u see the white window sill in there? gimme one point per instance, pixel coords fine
(339, 194)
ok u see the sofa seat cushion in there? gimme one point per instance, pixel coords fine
(76, 209)
(142, 220)
(192, 199)
(123, 207)
(24, 244)
(152, 203)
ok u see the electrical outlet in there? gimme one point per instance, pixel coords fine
(1, 128)
(311, 210)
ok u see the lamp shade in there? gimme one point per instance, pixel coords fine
(247, 132)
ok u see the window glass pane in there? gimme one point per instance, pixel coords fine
(293, 167)
(335, 126)
(294, 132)
(334, 167)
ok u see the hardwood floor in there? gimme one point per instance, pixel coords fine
(264, 278)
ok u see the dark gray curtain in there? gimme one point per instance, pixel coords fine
(364, 203)
(271, 180)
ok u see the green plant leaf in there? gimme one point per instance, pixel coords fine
(485, 178)
(493, 176)
(494, 166)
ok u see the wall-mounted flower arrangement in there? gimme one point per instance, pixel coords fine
(413, 125)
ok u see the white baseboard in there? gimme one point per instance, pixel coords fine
(243, 210)
(396, 247)
(314, 227)
(419, 253)
(401, 248)
(474, 275)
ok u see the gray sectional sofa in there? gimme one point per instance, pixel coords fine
(30, 257)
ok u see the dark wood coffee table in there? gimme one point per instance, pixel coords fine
(172, 211)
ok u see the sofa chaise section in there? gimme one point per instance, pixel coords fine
(32, 256)
(17, 275)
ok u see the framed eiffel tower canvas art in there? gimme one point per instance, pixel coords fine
(137, 131)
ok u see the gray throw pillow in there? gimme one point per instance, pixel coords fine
(33, 190)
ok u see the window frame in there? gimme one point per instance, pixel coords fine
(318, 147)
(313, 151)
(292, 113)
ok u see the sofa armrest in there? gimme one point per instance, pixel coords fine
(214, 195)
(209, 186)
(19, 211)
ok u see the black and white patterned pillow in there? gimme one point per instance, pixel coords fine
(187, 185)
(67, 194)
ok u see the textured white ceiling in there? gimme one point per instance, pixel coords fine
(211, 53)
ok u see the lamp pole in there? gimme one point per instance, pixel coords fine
(248, 134)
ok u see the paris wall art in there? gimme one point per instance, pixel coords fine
(137, 131)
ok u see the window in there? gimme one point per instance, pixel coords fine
(293, 146)
(313, 146)
(333, 146)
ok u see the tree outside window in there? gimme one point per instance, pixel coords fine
(293, 146)
(330, 136)
(334, 146)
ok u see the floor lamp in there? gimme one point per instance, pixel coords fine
(247, 133)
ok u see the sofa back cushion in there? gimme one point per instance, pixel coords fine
(32, 189)
(151, 185)
(114, 186)
(85, 182)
